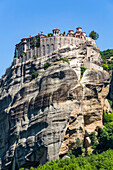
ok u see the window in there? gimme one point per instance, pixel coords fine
(64, 41)
(59, 45)
(43, 50)
(52, 47)
(29, 55)
(48, 49)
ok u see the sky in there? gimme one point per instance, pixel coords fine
(22, 18)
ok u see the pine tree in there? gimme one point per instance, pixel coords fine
(15, 53)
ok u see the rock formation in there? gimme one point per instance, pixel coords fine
(41, 119)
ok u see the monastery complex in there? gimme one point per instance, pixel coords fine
(43, 45)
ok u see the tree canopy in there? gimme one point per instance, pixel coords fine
(94, 35)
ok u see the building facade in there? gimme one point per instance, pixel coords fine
(42, 45)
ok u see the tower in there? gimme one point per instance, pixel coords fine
(56, 31)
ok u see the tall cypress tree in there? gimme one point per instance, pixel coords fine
(15, 53)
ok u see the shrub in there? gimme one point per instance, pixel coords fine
(22, 54)
(50, 34)
(15, 54)
(83, 69)
(33, 42)
(110, 102)
(34, 75)
(107, 117)
(46, 65)
(65, 59)
(38, 42)
(35, 57)
(93, 162)
(105, 67)
(93, 140)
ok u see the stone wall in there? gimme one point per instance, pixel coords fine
(90, 65)
(43, 118)
(50, 44)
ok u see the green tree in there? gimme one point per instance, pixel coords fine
(94, 35)
(15, 54)
(34, 75)
(33, 42)
(105, 67)
(64, 33)
(65, 59)
(46, 65)
(38, 41)
(83, 69)
(50, 34)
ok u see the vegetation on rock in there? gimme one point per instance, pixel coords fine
(105, 67)
(15, 53)
(22, 54)
(65, 59)
(104, 140)
(38, 41)
(34, 75)
(94, 35)
(107, 57)
(46, 65)
(83, 69)
(33, 42)
(35, 57)
(93, 162)
(111, 103)
(50, 34)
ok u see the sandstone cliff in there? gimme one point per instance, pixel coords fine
(41, 119)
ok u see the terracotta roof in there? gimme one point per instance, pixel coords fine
(24, 39)
(70, 30)
(56, 29)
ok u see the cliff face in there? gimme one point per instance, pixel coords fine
(41, 119)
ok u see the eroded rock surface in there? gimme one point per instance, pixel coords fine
(46, 116)
(41, 119)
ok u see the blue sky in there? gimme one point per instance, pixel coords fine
(22, 18)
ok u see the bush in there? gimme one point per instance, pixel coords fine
(93, 140)
(93, 162)
(107, 117)
(50, 34)
(22, 54)
(38, 42)
(34, 75)
(35, 57)
(110, 102)
(105, 56)
(94, 35)
(83, 69)
(65, 59)
(46, 65)
(105, 67)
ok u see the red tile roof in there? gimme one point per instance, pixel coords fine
(70, 30)
(56, 29)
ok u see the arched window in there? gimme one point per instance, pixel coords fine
(48, 49)
(71, 41)
(64, 41)
(43, 50)
(29, 55)
(59, 45)
(52, 47)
